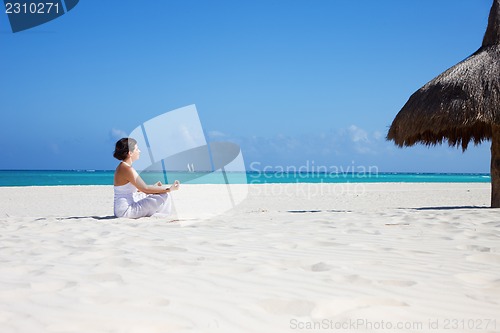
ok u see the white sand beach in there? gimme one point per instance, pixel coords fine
(290, 258)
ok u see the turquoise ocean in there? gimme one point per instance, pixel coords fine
(105, 177)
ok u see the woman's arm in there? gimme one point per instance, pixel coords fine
(133, 177)
(148, 189)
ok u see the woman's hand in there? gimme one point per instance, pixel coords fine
(175, 186)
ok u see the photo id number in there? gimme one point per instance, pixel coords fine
(31, 8)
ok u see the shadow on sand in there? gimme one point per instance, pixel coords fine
(111, 217)
(452, 208)
(317, 211)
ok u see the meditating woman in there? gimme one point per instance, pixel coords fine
(152, 200)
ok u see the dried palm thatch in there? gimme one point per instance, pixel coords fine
(460, 105)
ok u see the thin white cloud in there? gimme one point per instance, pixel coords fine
(377, 135)
(117, 134)
(347, 145)
(358, 134)
(323, 147)
(216, 135)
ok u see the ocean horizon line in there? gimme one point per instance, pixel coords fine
(105, 177)
(259, 171)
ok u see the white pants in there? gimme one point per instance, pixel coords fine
(156, 205)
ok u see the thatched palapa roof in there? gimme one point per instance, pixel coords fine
(461, 104)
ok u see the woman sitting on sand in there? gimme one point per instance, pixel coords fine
(154, 199)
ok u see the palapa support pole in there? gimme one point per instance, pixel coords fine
(492, 37)
(495, 166)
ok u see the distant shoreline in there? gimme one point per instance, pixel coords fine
(18, 178)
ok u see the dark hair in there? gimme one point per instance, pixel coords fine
(122, 147)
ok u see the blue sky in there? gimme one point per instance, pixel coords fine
(290, 81)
